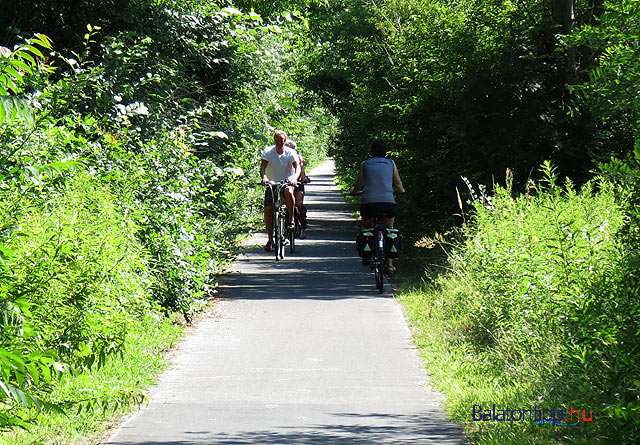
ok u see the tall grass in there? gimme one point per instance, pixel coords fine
(74, 281)
(538, 310)
(123, 376)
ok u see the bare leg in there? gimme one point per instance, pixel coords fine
(299, 199)
(299, 196)
(289, 200)
(367, 223)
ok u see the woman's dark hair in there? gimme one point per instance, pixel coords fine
(379, 148)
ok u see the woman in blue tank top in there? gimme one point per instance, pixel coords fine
(377, 179)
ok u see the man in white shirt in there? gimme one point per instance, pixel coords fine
(279, 162)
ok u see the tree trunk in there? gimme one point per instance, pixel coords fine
(567, 18)
(588, 54)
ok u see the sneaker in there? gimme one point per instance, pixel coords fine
(269, 246)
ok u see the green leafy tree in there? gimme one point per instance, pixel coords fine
(15, 65)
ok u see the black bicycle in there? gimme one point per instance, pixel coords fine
(371, 247)
(281, 232)
(377, 239)
(378, 262)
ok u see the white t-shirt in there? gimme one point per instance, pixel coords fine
(279, 167)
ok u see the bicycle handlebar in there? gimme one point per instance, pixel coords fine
(283, 182)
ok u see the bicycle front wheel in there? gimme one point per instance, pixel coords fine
(281, 234)
(292, 238)
(277, 241)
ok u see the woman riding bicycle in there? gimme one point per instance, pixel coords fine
(377, 179)
(298, 191)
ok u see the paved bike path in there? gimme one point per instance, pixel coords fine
(303, 350)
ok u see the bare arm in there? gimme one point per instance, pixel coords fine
(359, 182)
(397, 182)
(293, 179)
(263, 172)
(303, 174)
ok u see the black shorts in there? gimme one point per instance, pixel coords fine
(299, 188)
(386, 209)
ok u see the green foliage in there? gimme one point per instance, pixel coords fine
(176, 118)
(130, 174)
(475, 87)
(94, 398)
(541, 300)
(24, 60)
(611, 94)
(271, 8)
(125, 193)
(72, 283)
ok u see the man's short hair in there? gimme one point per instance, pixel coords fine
(379, 148)
(277, 132)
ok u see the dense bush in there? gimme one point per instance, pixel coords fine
(541, 301)
(73, 281)
(128, 163)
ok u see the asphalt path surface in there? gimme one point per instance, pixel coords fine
(303, 350)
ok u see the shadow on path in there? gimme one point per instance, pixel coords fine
(371, 428)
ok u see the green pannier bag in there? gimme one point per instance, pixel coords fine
(392, 243)
(364, 243)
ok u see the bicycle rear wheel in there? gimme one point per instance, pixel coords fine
(379, 275)
(379, 261)
(292, 234)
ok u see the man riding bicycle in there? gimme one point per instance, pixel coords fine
(377, 178)
(279, 163)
